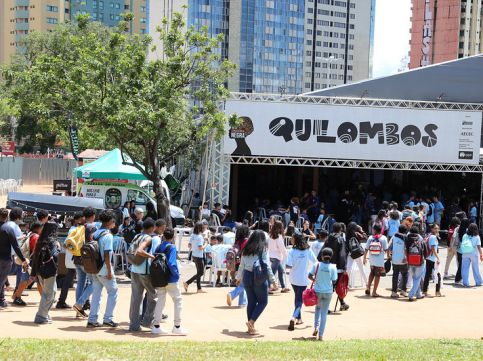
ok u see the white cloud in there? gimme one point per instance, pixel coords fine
(391, 35)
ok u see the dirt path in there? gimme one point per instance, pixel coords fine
(206, 316)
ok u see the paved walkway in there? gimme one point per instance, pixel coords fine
(207, 317)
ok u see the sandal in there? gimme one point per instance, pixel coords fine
(375, 295)
(315, 333)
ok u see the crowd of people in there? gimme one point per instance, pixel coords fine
(319, 257)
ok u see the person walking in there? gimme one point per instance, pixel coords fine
(198, 245)
(168, 247)
(241, 240)
(105, 278)
(337, 243)
(471, 255)
(376, 246)
(354, 236)
(255, 252)
(415, 251)
(433, 261)
(44, 267)
(278, 253)
(399, 261)
(455, 222)
(459, 232)
(300, 258)
(324, 276)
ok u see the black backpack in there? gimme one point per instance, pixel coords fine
(91, 255)
(47, 264)
(129, 233)
(355, 249)
(159, 271)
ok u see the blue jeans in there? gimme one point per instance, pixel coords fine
(257, 296)
(321, 311)
(5, 267)
(470, 259)
(277, 267)
(84, 286)
(417, 273)
(100, 282)
(21, 275)
(239, 291)
(298, 291)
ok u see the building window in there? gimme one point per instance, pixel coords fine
(101, 5)
(52, 21)
(143, 31)
(143, 20)
(143, 9)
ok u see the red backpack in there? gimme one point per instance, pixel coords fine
(375, 247)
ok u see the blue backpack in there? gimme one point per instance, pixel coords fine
(260, 271)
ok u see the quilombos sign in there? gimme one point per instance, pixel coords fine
(349, 132)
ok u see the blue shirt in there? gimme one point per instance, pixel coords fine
(473, 212)
(438, 209)
(377, 260)
(105, 244)
(197, 241)
(326, 274)
(392, 227)
(430, 217)
(433, 242)
(300, 261)
(316, 247)
(398, 248)
(172, 260)
(143, 268)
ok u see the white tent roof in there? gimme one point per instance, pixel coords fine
(456, 81)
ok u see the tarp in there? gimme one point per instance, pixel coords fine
(456, 81)
(110, 166)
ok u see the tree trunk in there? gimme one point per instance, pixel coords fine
(162, 203)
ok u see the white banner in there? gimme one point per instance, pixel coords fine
(348, 132)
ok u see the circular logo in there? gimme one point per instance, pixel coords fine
(113, 198)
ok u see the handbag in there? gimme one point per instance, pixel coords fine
(309, 297)
(260, 271)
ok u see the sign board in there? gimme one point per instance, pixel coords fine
(427, 34)
(8, 148)
(74, 140)
(351, 132)
(62, 185)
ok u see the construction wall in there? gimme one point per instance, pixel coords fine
(35, 170)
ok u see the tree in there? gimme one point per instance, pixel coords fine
(101, 79)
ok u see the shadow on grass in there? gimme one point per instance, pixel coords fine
(240, 334)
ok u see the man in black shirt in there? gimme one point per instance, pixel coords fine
(8, 240)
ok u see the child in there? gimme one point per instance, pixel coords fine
(319, 242)
(432, 261)
(392, 224)
(324, 276)
(197, 244)
(376, 246)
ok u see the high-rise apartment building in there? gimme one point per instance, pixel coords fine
(445, 30)
(19, 17)
(291, 46)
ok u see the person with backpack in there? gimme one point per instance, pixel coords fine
(198, 244)
(354, 236)
(376, 246)
(324, 276)
(241, 239)
(167, 279)
(337, 243)
(277, 253)
(300, 258)
(399, 262)
(432, 261)
(256, 274)
(27, 248)
(101, 249)
(44, 267)
(471, 255)
(144, 244)
(415, 251)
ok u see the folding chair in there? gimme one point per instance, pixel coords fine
(218, 258)
(120, 251)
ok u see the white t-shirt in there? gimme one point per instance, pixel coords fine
(300, 261)
(276, 248)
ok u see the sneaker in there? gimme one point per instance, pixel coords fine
(291, 325)
(3, 304)
(394, 295)
(344, 307)
(93, 325)
(110, 324)
(403, 293)
(158, 331)
(62, 305)
(19, 302)
(412, 299)
(87, 306)
(80, 310)
(43, 322)
(421, 297)
(228, 299)
(179, 331)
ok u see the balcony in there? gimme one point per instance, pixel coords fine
(22, 2)
(22, 26)
(21, 13)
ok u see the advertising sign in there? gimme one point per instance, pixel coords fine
(350, 132)
(427, 34)
(8, 148)
(74, 140)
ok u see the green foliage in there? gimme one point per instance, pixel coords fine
(101, 79)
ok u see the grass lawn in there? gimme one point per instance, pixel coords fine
(36, 349)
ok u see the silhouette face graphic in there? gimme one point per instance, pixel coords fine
(239, 134)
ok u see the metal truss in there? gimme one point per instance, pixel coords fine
(219, 174)
(344, 163)
(363, 102)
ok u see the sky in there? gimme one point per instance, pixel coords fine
(391, 42)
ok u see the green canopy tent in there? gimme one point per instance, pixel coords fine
(110, 166)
